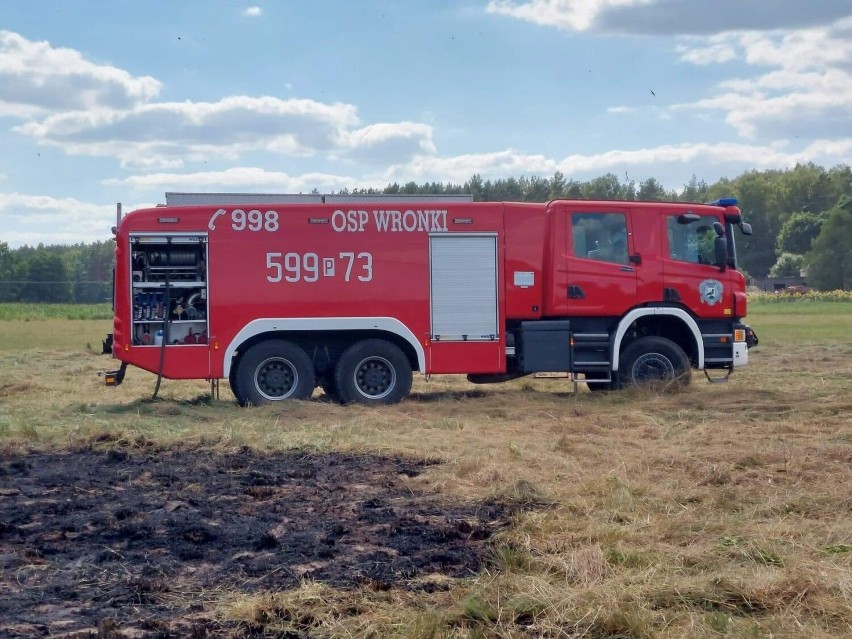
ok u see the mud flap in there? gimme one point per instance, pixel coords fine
(114, 378)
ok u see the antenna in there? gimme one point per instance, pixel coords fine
(117, 218)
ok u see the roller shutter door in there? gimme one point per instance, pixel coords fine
(464, 287)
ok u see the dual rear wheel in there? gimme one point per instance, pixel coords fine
(372, 371)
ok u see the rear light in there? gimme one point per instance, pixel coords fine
(739, 335)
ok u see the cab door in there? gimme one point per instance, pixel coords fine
(593, 272)
(690, 276)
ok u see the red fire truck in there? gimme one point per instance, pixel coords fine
(282, 296)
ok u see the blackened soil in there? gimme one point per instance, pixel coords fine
(96, 543)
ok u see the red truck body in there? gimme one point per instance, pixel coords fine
(491, 290)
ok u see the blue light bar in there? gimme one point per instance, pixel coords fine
(725, 201)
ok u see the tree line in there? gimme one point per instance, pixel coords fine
(81, 273)
(802, 220)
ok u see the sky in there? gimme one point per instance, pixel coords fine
(106, 101)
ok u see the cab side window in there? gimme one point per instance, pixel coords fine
(692, 242)
(600, 236)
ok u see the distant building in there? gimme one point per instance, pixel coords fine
(790, 284)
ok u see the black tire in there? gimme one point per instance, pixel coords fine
(372, 372)
(273, 371)
(232, 382)
(597, 387)
(654, 362)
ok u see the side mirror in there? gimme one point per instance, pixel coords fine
(745, 227)
(720, 246)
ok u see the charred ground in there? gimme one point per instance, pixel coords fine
(103, 542)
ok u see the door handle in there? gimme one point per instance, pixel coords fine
(576, 293)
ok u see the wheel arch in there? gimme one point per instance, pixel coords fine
(672, 323)
(293, 329)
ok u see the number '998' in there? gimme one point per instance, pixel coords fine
(254, 220)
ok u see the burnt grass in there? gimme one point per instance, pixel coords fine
(133, 541)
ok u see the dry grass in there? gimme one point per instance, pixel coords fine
(724, 510)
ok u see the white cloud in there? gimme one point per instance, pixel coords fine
(249, 179)
(671, 164)
(666, 162)
(33, 219)
(717, 50)
(380, 142)
(812, 48)
(36, 78)
(805, 91)
(459, 168)
(659, 161)
(573, 15)
(252, 12)
(96, 110)
(840, 150)
(165, 135)
(672, 17)
(799, 55)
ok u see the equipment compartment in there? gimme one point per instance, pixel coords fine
(169, 289)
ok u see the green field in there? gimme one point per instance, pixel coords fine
(794, 323)
(31, 312)
(722, 510)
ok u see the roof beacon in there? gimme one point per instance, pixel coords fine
(725, 201)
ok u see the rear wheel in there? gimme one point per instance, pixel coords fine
(273, 371)
(372, 372)
(654, 362)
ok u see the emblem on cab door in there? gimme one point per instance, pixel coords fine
(710, 291)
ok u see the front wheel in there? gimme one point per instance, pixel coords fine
(273, 371)
(654, 362)
(372, 371)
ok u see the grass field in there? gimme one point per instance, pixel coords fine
(722, 510)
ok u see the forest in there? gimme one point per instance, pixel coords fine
(802, 220)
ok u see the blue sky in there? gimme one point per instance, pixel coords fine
(109, 101)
